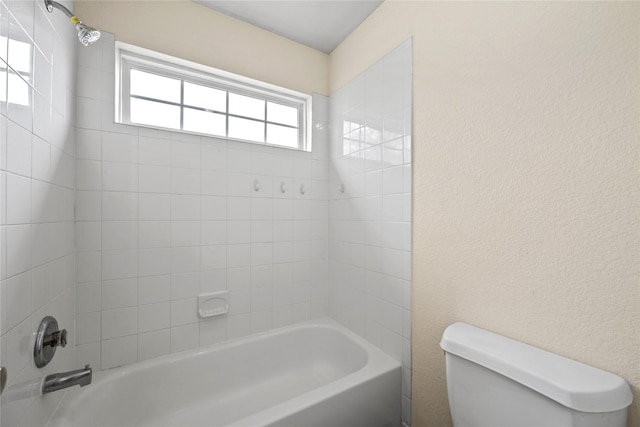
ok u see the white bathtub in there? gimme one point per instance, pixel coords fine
(311, 374)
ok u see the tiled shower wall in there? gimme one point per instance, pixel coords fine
(37, 192)
(164, 216)
(370, 208)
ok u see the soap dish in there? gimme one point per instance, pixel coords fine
(213, 304)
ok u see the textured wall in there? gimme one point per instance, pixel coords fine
(190, 31)
(526, 184)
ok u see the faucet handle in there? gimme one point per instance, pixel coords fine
(48, 338)
(58, 338)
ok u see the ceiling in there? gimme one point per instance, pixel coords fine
(320, 24)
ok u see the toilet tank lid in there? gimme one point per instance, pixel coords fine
(568, 382)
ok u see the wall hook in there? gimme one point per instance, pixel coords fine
(256, 185)
(283, 187)
(303, 189)
(341, 188)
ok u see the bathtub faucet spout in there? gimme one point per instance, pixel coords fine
(81, 377)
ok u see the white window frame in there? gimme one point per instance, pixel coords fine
(130, 57)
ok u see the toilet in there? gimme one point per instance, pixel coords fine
(494, 381)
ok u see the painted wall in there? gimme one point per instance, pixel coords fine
(525, 177)
(164, 216)
(190, 31)
(37, 194)
(370, 208)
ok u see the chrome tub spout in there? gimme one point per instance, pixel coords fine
(81, 377)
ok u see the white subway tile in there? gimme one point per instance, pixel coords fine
(261, 209)
(18, 201)
(185, 154)
(261, 231)
(238, 232)
(213, 257)
(154, 179)
(41, 159)
(119, 147)
(239, 208)
(393, 180)
(154, 234)
(18, 298)
(392, 207)
(118, 206)
(239, 302)
(18, 149)
(213, 330)
(214, 156)
(213, 208)
(300, 312)
(239, 185)
(185, 260)
(119, 235)
(152, 289)
(119, 293)
(88, 327)
(261, 321)
(119, 264)
(119, 351)
(88, 206)
(238, 278)
(185, 181)
(185, 337)
(154, 344)
(88, 298)
(155, 207)
(185, 285)
(88, 354)
(88, 236)
(238, 161)
(88, 113)
(185, 208)
(154, 262)
(185, 233)
(213, 233)
(213, 280)
(154, 151)
(392, 344)
(119, 322)
(152, 317)
(18, 249)
(184, 311)
(238, 326)
(88, 267)
(261, 253)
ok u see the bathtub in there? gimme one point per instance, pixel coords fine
(310, 374)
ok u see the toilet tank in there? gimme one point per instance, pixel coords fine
(494, 381)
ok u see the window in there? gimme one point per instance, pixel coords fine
(160, 91)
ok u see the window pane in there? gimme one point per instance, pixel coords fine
(281, 135)
(249, 130)
(205, 97)
(154, 113)
(246, 106)
(283, 114)
(204, 122)
(154, 86)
